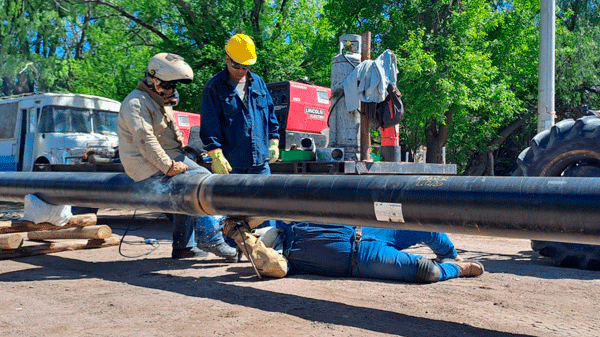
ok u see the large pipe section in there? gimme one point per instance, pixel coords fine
(539, 208)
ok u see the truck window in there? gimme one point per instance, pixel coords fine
(8, 116)
(105, 122)
(61, 119)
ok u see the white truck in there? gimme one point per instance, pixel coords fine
(56, 129)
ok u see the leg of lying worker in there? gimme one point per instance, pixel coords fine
(439, 243)
(379, 259)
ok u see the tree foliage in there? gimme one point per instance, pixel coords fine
(468, 68)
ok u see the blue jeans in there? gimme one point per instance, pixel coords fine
(191, 231)
(380, 254)
(207, 231)
(261, 169)
(439, 243)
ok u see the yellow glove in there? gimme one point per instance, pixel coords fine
(220, 165)
(177, 168)
(273, 150)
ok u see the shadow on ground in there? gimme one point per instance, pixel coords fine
(146, 273)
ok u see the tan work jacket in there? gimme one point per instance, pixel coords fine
(149, 139)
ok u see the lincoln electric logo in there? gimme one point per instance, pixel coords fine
(314, 111)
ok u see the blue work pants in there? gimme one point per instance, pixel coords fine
(261, 169)
(381, 258)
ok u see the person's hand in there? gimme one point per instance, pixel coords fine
(273, 150)
(219, 165)
(177, 168)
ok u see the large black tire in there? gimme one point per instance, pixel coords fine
(569, 149)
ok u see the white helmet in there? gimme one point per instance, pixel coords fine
(170, 67)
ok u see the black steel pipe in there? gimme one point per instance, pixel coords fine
(555, 208)
(105, 190)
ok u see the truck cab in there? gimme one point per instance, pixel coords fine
(53, 128)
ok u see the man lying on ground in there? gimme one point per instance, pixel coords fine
(345, 251)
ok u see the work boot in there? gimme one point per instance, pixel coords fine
(469, 268)
(189, 252)
(223, 250)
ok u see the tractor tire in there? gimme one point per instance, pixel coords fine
(569, 149)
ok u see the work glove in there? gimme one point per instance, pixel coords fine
(177, 168)
(229, 224)
(273, 150)
(220, 165)
(267, 261)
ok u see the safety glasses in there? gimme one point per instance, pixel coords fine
(236, 65)
(168, 85)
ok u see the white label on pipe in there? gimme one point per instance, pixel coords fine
(385, 211)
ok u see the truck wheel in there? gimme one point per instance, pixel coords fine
(569, 149)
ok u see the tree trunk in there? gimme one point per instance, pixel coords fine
(436, 137)
(480, 164)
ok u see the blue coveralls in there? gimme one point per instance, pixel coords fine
(241, 130)
(330, 250)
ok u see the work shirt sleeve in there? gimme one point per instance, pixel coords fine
(139, 120)
(273, 122)
(210, 125)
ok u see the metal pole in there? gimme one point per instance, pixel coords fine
(538, 208)
(365, 126)
(546, 89)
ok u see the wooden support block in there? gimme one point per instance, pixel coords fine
(88, 232)
(78, 220)
(10, 241)
(48, 247)
(82, 220)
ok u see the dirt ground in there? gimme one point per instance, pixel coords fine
(100, 292)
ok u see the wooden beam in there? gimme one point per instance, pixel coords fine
(10, 241)
(89, 232)
(79, 220)
(48, 247)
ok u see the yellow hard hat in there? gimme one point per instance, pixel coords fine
(241, 49)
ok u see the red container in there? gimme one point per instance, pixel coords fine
(302, 111)
(186, 121)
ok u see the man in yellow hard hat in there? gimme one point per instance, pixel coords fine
(239, 126)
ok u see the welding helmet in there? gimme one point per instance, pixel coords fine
(170, 68)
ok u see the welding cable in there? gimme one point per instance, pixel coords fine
(153, 242)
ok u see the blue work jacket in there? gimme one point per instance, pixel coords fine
(242, 131)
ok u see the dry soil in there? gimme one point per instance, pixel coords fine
(110, 292)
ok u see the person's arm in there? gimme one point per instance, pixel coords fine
(273, 128)
(139, 122)
(210, 122)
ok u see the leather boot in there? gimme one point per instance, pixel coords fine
(186, 253)
(222, 250)
(469, 268)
